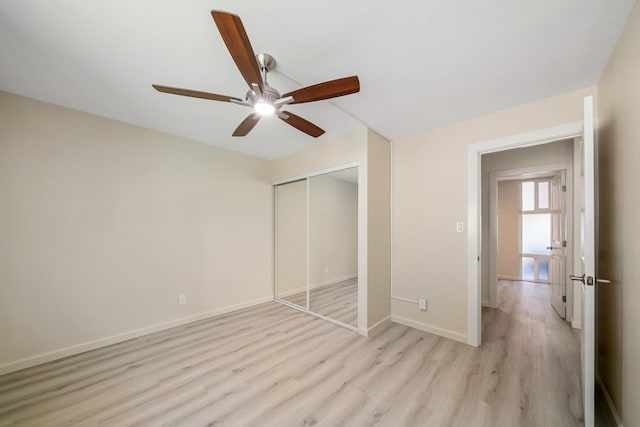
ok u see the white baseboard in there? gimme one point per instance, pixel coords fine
(318, 285)
(334, 281)
(511, 278)
(488, 304)
(576, 324)
(429, 328)
(610, 406)
(291, 292)
(113, 339)
(376, 326)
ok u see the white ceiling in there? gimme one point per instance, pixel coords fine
(422, 64)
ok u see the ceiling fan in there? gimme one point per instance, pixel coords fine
(264, 99)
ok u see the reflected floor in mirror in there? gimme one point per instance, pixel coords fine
(338, 301)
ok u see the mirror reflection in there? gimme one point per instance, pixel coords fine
(317, 244)
(291, 242)
(333, 245)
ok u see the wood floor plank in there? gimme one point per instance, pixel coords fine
(271, 365)
(338, 301)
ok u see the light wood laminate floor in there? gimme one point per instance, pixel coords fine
(274, 366)
(338, 301)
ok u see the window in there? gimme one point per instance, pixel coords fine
(543, 195)
(536, 233)
(528, 196)
(535, 230)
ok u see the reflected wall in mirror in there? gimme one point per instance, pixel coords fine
(291, 242)
(333, 245)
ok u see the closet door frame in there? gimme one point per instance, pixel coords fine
(306, 177)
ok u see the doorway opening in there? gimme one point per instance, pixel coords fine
(535, 213)
(477, 200)
(530, 232)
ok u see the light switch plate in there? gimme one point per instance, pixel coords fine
(460, 227)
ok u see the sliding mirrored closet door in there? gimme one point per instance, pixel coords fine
(291, 242)
(317, 245)
(333, 245)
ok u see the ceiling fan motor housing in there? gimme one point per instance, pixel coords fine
(269, 95)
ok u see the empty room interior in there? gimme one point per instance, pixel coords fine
(319, 213)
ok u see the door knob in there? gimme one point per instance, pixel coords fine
(577, 278)
(589, 279)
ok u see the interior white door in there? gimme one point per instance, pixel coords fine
(557, 250)
(588, 274)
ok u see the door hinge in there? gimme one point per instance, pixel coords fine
(564, 243)
(564, 188)
(564, 298)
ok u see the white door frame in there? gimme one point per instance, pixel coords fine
(474, 235)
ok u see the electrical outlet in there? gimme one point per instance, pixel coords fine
(182, 299)
(422, 303)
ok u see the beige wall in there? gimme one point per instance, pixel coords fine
(430, 196)
(103, 225)
(346, 149)
(619, 235)
(508, 230)
(379, 229)
(333, 230)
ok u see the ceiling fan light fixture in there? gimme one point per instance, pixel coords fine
(264, 108)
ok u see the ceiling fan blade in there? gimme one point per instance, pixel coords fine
(247, 124)
(239, 46)
(301, 124)
(326, 90)
(195, 93)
